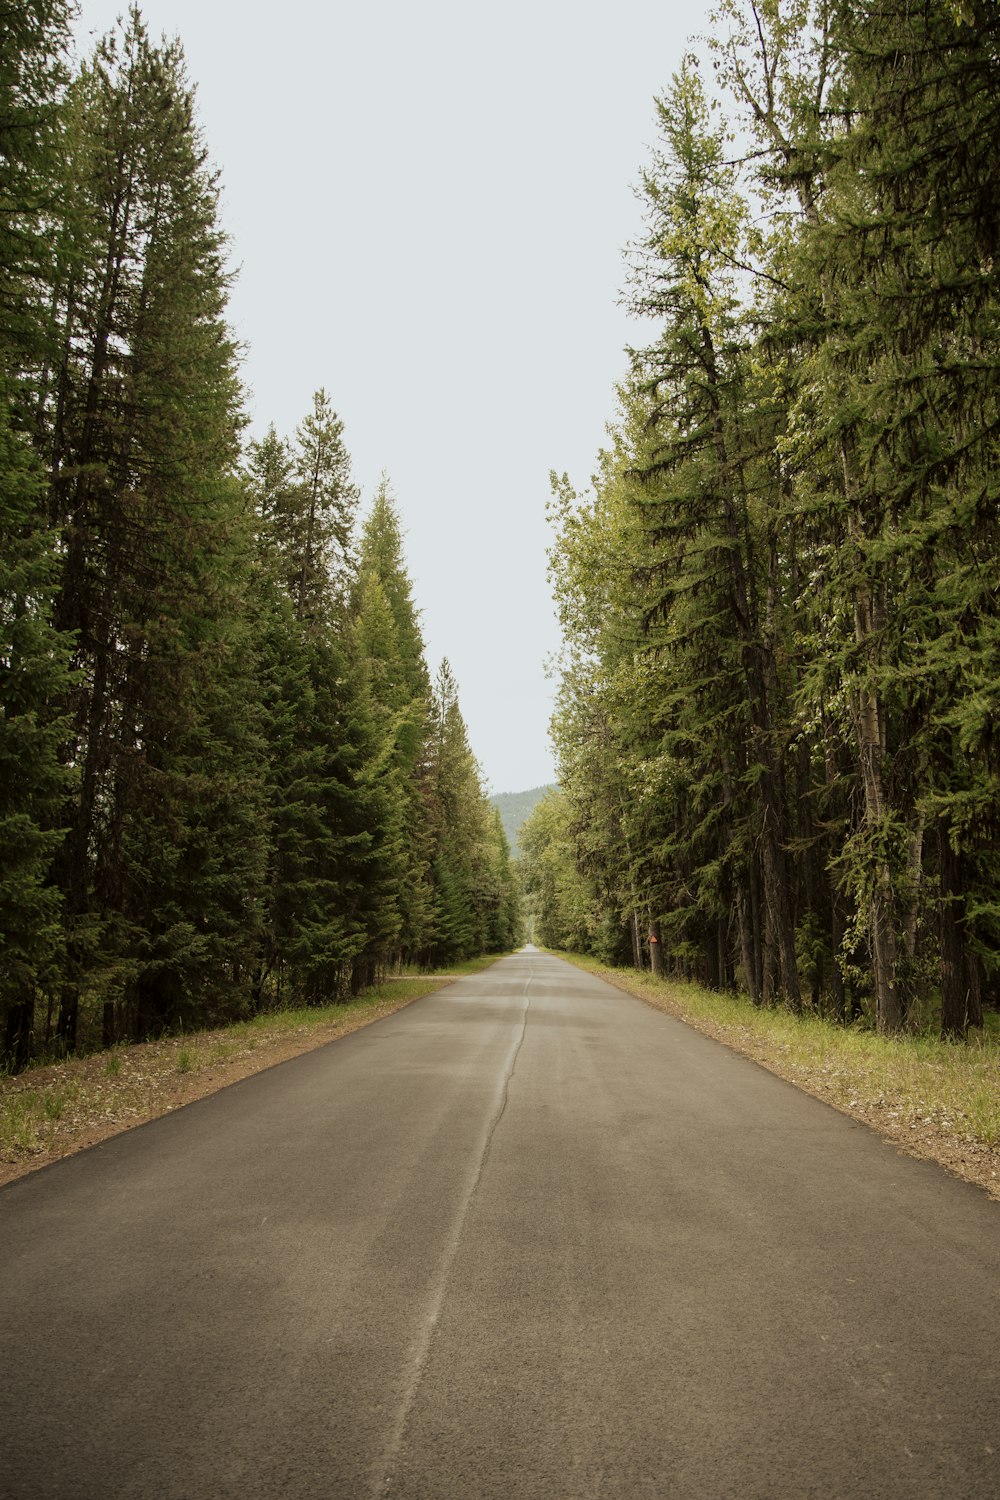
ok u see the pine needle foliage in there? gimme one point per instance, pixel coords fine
(224, 786)
(781, 624)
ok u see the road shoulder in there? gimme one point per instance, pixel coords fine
(54, 1111)
(917, 1127)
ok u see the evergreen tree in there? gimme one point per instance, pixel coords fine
(329, 909)
(390, 640)
(224, 784)
(913, 226)
(321, 527)
(710, 533)
(774, 723)
(474, 897)
(332, 912)
(562, 904)
(142, 431)
(34, 35)
(504, 915)
(33, 656)
(33, 682)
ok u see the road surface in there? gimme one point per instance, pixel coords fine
(526, 1238)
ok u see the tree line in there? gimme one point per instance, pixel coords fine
(777, 721)
(227, 780)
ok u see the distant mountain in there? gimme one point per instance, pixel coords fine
(515, 809)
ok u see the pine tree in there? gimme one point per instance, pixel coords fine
(562, 904)
(390, 640)
(332, 901)
(504, 917)
(600, 728)
(779, 727)
(34, 36)
(142, 429)
(321, 530)
(718, 564)
(33, 656)
(381, 555)
(470, 889)
(33, 682)
(914, 223)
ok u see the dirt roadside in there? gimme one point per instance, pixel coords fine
(920, 1135)
(65, 1107)
(84, 1101)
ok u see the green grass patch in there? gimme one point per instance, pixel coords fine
(53, 1103)
(908, 1080)
(21, 1117)
(28, 1116)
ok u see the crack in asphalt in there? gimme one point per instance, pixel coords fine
(421, 1347)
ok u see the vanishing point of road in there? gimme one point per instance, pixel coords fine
(525, 1238)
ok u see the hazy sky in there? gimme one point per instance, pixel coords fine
(428, 204)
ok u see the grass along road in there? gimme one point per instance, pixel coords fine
(936, 1100)
(56, 1109)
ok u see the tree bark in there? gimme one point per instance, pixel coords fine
(636, 940)
(757, 929)
(19, 1035)
(870, 738)
(961, 997)
(655, 949)
(747, 955)
(780, 924)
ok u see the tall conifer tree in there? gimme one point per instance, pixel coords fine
(142, 429)
(33, 656)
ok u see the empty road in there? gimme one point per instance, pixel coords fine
(526, 1238)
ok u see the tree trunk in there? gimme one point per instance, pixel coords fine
(780, 924)
(19, 1035)
(711, 966)
(771, 984)
(961, 1002)
(914, 880)
(637, 962)
(756, 930)
(976, 976)
(110, 1027)
(870, 745)
(838, 920)
(838, 929)
(69, 1014)
(655, 949)
(747, 954)
(722, 949)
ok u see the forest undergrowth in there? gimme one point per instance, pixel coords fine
(938, 1100)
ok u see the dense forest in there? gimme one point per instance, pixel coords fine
(515, 808)
(227, 780)
(778, 716)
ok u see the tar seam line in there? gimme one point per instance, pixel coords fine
(425, 1337)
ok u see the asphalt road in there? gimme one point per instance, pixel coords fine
(526, 1238)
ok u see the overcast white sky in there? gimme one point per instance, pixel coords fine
(428, 204)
